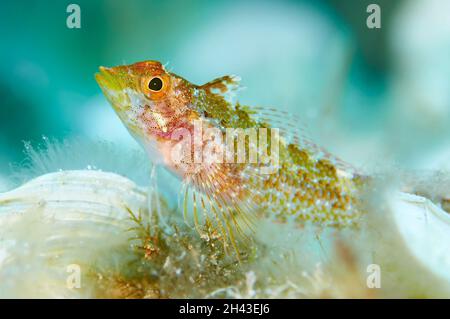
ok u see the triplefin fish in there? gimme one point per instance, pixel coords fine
(236, 162)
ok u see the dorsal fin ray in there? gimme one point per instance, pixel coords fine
(296, 132)
(225, 86)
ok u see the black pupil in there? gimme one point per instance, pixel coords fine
(155, 84)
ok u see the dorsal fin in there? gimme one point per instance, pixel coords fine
(225, 86)
(296, 132)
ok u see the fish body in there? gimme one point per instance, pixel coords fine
(287, 178)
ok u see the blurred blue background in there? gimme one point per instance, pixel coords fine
(372, 96)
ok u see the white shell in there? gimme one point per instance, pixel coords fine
(425, 230)
(77, 219)
(59, 220)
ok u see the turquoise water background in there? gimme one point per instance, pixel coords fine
(369, 95)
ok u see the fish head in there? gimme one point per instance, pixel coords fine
(150, 101)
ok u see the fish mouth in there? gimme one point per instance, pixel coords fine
(107, 78)
(112, 86)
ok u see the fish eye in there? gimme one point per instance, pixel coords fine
(155, 84)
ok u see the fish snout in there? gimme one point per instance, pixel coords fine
(105, 70)
(107, 78)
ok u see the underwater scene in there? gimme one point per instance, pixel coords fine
(257, 149)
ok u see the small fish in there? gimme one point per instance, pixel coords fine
(170, 117)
